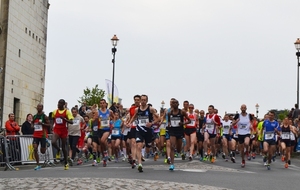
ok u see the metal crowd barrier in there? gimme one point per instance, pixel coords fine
(18, 149)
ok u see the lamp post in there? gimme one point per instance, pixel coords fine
(297, 46)
(162, 104)
(114, 42)
(257, 107)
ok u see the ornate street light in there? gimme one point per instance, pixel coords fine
(114, 42)
(297, 46)
(257, 107)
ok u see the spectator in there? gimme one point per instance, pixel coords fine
(296, 112)
(114, 108)
(26, 126)
(12, 127)
(83, 111)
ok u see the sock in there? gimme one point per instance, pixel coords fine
(233, 153)
(94, 155)
(124, 152)
(143, 152)
(91, 150)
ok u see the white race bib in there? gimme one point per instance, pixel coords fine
(76, 122)
(226, 126)
(38, 127)
(95, 128)
(235, 136)
(209, 126)
(115, 132)
(104, 123)
(269, 135)
(162, 126)
(285, 135)
(142, 122)
(175, 123)
(58, 120)
(193, 122)
(243, 126)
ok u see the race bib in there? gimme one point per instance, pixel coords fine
(235, 136)
(142, 122)
(95, 128)
(226, 126)
(243, 126)
(59, 120)
(104, 123)
(38, 128)
(285, 135)
(209, 126)
(269, 135)
(76, 122)
(292, 136)
(162, 126)
(175, 123)
(115, 132)
(134, 123)
(252, 136)
(193, 122)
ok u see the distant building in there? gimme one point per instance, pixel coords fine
(23, 37)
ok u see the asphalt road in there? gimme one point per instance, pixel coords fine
(187, 175)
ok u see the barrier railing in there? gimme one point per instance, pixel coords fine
(18, 149)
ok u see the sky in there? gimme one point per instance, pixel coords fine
(221, 53)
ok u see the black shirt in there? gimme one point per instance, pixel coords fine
(26, 128)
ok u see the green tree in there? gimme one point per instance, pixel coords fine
(281, 114)
(92, 96)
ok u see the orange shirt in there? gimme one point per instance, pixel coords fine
(11, 127)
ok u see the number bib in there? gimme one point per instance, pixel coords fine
(209, 126)
(142, 122)
(235, 136)
(95, 128)
(192, 124)
(76, 122)
(58, 120)
(175, 122)
(38, 127)
(104, 123)
(269, 135)
(162, 126)
(285, 135)
(243, 126)
(115, 132)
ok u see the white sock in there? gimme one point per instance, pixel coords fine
(124, 152)
(143, 152)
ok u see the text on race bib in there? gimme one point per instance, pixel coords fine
(269, 135)
(193, 122)
(95, 128)
(175, 122)
(115, 132)
(104, 123)
(285, 135)
(58, 120)
(209, 126)
(38, 128)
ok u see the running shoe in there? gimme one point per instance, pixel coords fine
(169, 160)
(171, 168)
(226, 159)
(70, 161)
(104, 163)
(165, 161)
(213, 159)
(243, 163)
(201, 159)
(37, 168)
(57, 156)
(66, 166)
(79, 162)
(143, 159)
(95, 163)
(183, 156)
(268, 166)
(140, 168)
(264, 158)
(205, 158)
(133, 165)
(223, 156)
(233, 159)
(289, 162)
(253, 155)
(116, 160)
(190, 158)
(208, 151)
(286, 165)
(282, 158)
(98, 160)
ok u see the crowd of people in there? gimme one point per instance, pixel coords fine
(103, 134)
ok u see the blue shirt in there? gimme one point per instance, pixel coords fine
(269, 129)
(116, 131)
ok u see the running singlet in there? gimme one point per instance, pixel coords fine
(39, 130)
(243, 124)
(58, 121)
(176, 120)
(132, 112)
(193, 118)
(286, 133)
(269, 129)
(116, 131)
(210, 125)
(226, 126)
(95, 126)
(144, 117)
(104, 120)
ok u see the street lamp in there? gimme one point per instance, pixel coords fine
(256, 106)
(162, 104)
(297, 46)
(114, 42)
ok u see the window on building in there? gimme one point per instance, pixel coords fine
(26, 30)
(29, 33)
(33, 1)
(39, 40)
(19, 52)
(36, 38)
(17, 109)
(33, 35)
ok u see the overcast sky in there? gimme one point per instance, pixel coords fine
(224, 53)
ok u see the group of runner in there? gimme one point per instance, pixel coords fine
(173, 131)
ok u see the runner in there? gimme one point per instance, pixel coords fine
(117, 124)
(212, 124)
(286, 142)
(94, 129)
(74, 131)
(146, 117)
(270, 128)
(226, 139)
(244, 122)
(176, 130)
(190, 131)
(132, 133)
(105, 116)
(41, 125)
(62, 117)
(185, 145)
(200, 133)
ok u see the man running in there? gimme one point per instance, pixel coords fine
(200, 133)
(226, 139)
(146, 117)
(270, 128)
(244, 122)
(61, 117)
(41, 127)
(176, 121)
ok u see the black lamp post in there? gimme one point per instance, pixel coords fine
(114, 42)
(257, 107)
(297, 46)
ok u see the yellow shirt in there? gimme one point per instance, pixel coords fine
(68, 113)
(259, 128)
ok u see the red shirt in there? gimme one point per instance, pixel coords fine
(60, 123)
(39, 130)
(11, 127)
(216, 118)
(132, 112)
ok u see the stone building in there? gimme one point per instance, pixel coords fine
(23, 37)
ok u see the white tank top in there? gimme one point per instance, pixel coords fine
(210, 124)
(244, 125)
(226, 126)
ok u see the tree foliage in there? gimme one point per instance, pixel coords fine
(281, 114)
(91, 96)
